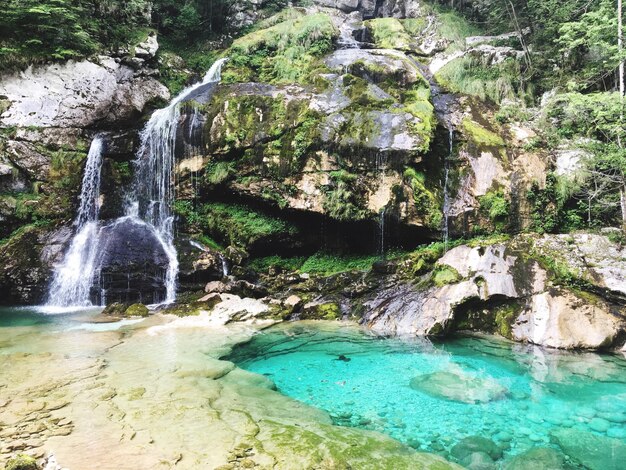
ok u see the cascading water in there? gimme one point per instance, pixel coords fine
(72, 278)
(154, 186)
(446, 196)
(81, 278)
(381, 167)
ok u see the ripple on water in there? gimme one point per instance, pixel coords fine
(432, 395)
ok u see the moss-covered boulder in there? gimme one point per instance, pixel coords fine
(22, 462)
(137, 310)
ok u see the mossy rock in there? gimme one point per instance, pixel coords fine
(389, 33)
(481, 135)
(22, 462)
(321, 311)
(115, 309)
(444, 275)
(137, 310)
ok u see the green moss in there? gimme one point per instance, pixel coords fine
(426, 202)
(137, 310)
(344, 197)
(480, 135)
(326, 311)
(218, 172)
(389, 33)
(443, 275)
(495, 206)
(504, 316)
(22, 462)
(327, 264)
(241, 225)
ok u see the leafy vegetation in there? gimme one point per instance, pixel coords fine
(232, 224)
(495, 206)
(285, 52)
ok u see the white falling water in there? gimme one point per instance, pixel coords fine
(446, 197)
(73, 277)
(154, 187)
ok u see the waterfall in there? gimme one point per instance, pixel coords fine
(72, 278)
(446, 197)
(148, 207)
(154, 181)
(381, 166)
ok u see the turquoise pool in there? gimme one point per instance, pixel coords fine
(433, 394)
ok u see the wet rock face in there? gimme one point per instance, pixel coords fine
(132, 264)
(504, 288)
(26, 264)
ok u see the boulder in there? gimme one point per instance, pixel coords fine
(77, 94)
(456, 385)
(560, 319)
(131, 262)
(472, 444)
(537, 458)
(293, 303)
(137, 310)
(591, 450)
(504, 288)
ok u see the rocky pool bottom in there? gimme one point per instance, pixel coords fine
(155, 394)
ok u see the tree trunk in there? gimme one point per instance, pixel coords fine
(620, 46)
(622, 199)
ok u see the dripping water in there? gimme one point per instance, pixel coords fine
(446, 196)
(381, 167)
(73, 277)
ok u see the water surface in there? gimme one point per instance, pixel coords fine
(433, 394)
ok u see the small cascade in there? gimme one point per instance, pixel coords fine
(446, 196)
(223, 260)
(72, 278)
(381, 167)
(381, 226)
(155, 165)
(346, 37)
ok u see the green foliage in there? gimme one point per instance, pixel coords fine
(471, 75)
(595, 115)
(327, 264)
(262, 265)
(389, 33)
(33, 31)
(551, 209)
(495, 205)
(285, 52)
(219, 172)
(241, 225)
(426, 202)
(589, 43)
(343, 198)
(22, 462)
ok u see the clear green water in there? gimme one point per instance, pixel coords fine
(61, 320)
(433, 394)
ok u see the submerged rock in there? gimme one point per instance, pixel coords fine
(538, 458)
(476, 444)
(457, 385)
(593, 451)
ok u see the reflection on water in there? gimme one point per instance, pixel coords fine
(433, 394)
